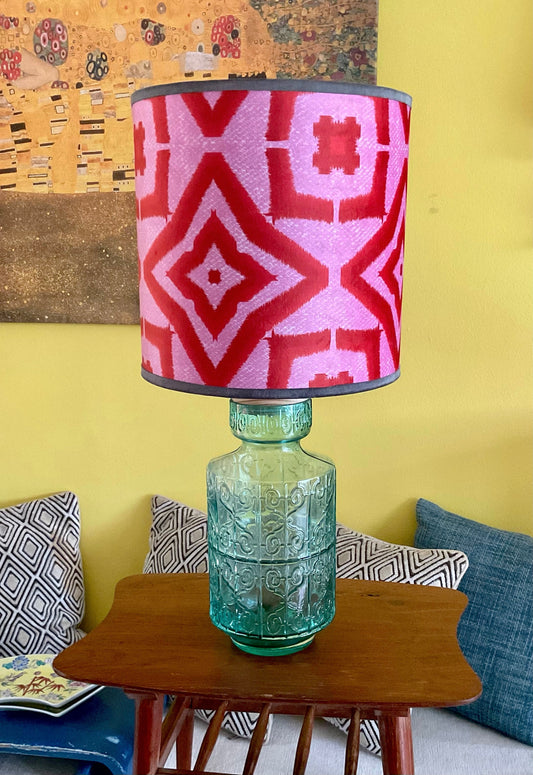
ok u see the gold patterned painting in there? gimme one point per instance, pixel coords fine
(68, 69)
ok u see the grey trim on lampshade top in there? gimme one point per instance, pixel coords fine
(290, 393)
(268, 84)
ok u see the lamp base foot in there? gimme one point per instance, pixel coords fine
(269, 648)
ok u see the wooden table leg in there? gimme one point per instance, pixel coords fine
(184, 743)
(148, 722)
(396, 745)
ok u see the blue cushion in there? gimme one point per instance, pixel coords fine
(496, 630)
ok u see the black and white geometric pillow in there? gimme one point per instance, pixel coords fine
(42, 597)
(362, 557)
(178, 538)
(178, 544)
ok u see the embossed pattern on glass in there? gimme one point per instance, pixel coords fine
(271, 532)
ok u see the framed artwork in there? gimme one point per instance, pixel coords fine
(68, 69)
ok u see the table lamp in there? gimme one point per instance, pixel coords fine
(270, 224)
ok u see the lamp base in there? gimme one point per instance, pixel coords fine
(267, 647)
(271, 532)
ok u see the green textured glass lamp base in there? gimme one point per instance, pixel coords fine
(271, 531)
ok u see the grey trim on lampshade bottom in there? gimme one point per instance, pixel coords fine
(267, 84)
(290, 393)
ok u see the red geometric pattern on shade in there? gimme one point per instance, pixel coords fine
(366, 342)
(254, 276)
(159, 112)
(156, 203)
(352, 273)
(213, 169)
(405, 114)
(371, 205)
(382, 121)
(336, 145)
(285, 349)
(161, 339)
(138, 142)
(266, 224)
(285, 201)
(388, 272)
(280, 116)
(323, 381)
(213, 121)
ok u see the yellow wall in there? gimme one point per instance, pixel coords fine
(456, 428)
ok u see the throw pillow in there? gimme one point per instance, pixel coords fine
(178, 539)
(42, 595)
(496, 630)
(178, 544)
(362, 557)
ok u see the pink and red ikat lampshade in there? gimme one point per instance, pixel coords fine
(270, 220)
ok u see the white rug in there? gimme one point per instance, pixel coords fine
(444, 744)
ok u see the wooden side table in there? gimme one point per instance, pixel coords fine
(391, 647)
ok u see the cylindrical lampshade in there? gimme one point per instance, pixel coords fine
(270, 223)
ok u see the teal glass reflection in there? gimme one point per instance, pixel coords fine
(271, 531)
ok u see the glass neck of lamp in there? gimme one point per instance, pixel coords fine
(270, 422)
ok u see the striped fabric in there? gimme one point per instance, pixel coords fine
(42, 596)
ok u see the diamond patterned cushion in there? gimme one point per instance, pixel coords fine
(42, 595)
(178, 539)
(178, 544)
(496, 630)
(362, 557)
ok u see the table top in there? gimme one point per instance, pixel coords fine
(389, 646)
